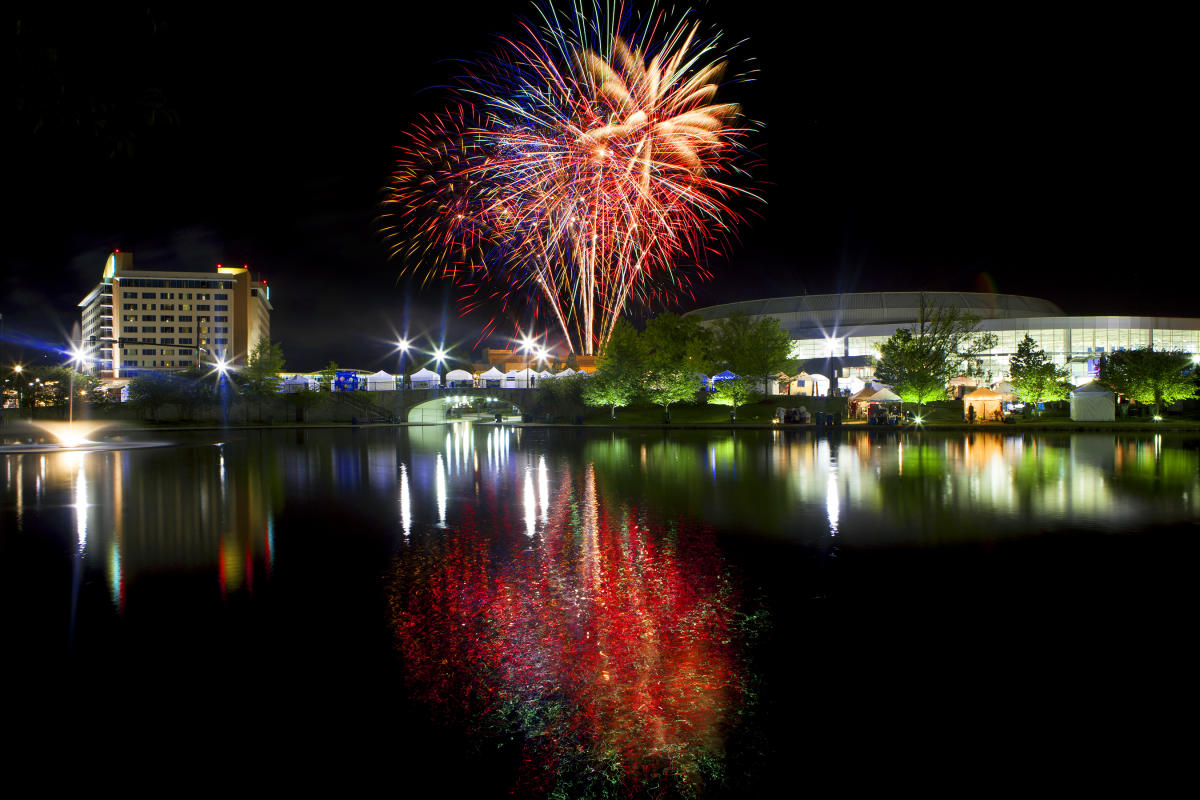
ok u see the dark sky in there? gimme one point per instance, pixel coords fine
(1026, 152)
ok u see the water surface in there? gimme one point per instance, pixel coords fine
(496, 610)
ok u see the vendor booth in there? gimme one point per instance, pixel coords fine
(492, 379)
(1093, 402)
(459, 378)
(988, 406)
(299, 383)
(381, 382)
(425, 379)
(962, 384)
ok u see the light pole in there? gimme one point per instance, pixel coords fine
(402, 345)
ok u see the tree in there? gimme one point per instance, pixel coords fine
(260, 378)
(1149, 376)
(562, 398)
(149, 391)
(735, 392)
(1034, 376)
(619, 372)
(675, 350)
(752, 349)
(328, 375)
(919, 361)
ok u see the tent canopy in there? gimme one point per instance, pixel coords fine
(724, 376)
(381, 376)
(883, 395)
(424, 374)
(566, 373)
(492, 374)
(982, 393)
(963, 380)
(459, 375)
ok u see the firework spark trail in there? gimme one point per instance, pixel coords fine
(586, 166)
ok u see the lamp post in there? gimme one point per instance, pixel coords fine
(527, 344)
(402, 345)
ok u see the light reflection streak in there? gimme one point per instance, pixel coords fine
(405, 502)
(530, 504)
(544, 488)
(440, 488)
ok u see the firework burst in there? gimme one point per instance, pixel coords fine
(586, 163)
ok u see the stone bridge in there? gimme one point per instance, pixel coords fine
(431, 405)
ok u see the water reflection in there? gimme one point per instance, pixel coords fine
(908, 487)
(605, 643)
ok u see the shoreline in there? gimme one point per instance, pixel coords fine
(1082, 427)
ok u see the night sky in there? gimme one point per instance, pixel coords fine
(970, 150)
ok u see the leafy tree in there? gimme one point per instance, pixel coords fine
(51, 386)
(619, 372)
(149, 391)
(1034, 376)
(752, 349)
(328, 375)
(562, 398)
(260, 379)
(735, 392)
(919, 361)
(675, 350)
(1149, 376)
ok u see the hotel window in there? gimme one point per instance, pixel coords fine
(185, 340)
(149, 296)
(167, 318)
(149, 328)
(185, 317)
(183, 362)
(221, 308)
(166, 329)
(129, 329)
(221, 319)
(166, 340)
(221, 329)
(203, 308)
(130, 318)
(148, 318)
(168, 307)
(222, 341)
(149, 351)
(185, 307)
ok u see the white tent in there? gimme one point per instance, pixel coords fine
(380, 382)
(492, 379)
(1003, 387)
(298, 383)
(812, 384)
(1093, 402)
(424, 379)
(884, 395)
(566, 373)
(519, 378)
(545, 374)
(852, 384)
(459, 377)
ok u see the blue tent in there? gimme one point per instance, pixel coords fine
(724, 376)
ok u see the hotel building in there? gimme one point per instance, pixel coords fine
(152, 320)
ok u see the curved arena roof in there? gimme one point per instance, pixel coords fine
(878, 308)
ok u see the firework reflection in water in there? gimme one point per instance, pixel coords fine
(608, 650)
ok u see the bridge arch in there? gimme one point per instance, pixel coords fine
(476, 404)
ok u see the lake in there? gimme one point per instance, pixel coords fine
(487, 611)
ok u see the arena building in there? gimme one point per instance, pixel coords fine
(842, 331)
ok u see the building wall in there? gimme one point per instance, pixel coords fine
(820, 328)
(155, 310)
